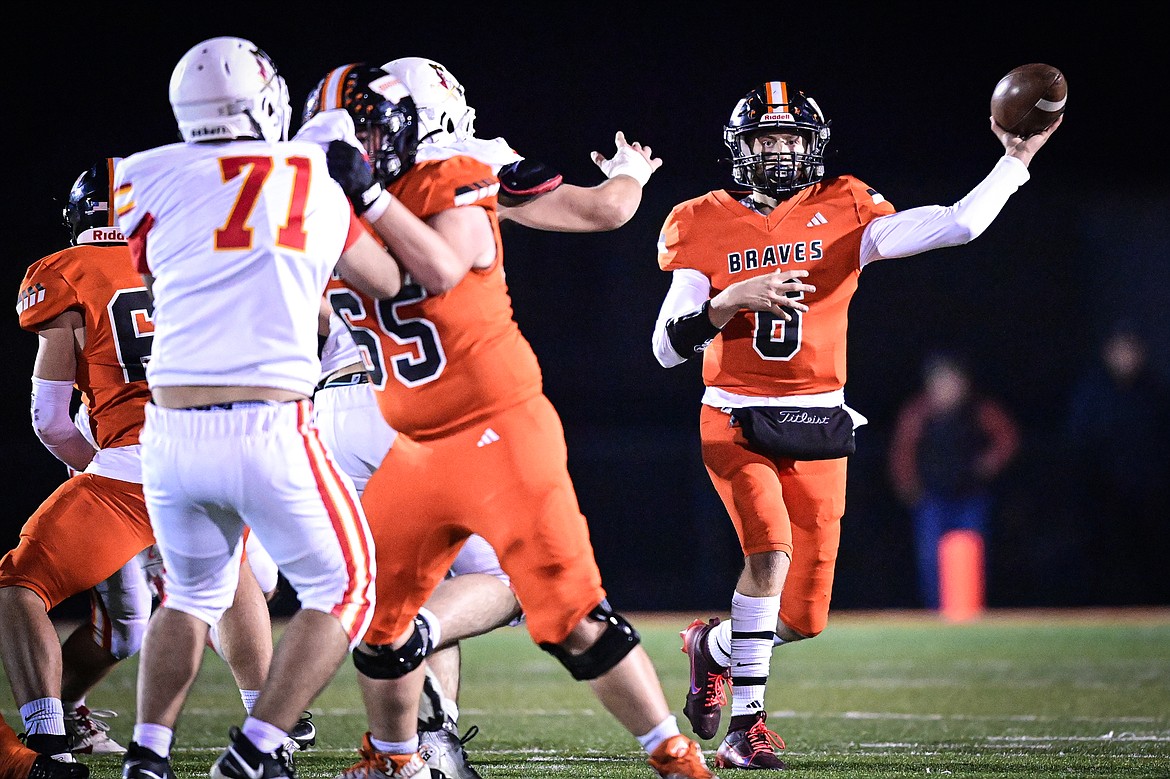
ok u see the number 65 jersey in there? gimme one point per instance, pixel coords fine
(442, 362)
(100, 283)
(240, 239)
(818, 229)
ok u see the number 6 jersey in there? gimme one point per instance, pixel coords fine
(100, 283)
(442, 362)
(818, 229)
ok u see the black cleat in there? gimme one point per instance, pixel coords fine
(304, 732)
(142, 763)
(45, 767)
(242, 760)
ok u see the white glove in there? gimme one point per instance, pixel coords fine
(333, 125)
(626, 161)
(328, 127)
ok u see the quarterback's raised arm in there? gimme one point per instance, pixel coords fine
(917, 230)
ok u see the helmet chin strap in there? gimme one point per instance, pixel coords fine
(259, 133)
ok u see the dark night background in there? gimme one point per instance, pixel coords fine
(907, 90)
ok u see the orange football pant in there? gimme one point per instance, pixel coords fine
(82, 534)
(790, 506)
(505, 477)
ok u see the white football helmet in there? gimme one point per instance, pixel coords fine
(439, 98)
(226, 88)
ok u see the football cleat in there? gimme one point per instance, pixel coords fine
(383, 765)
(88, 734)
(442, 749)
(754, 747)
(709, 681)
(142, 763)
(45, 767)
(242, 760)
(304, 733)
(680, 758)
(50, 745)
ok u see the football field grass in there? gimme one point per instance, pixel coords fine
(1014, 694)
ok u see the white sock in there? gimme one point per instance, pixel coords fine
(451, 709)
(44, 715)
(719, 643)
(266, 737)
(249, 697)
(753, 627)
(662, 731)
(396, 747)
(156, 738)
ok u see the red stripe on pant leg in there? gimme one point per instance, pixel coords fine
(344, 514)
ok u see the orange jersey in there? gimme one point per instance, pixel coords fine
(819, 230)
(100, 282)
(440, 363)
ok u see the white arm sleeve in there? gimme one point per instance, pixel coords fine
(917, 230)
(689, 290)
(54, 427)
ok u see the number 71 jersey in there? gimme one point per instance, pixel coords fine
(241, 238)
(818, 229)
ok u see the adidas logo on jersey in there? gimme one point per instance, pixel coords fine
(489, 437)
(818, 219)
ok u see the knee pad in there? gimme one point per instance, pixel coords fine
(618, 640)
(384, 662)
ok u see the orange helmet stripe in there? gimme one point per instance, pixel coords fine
(111, 217)
(334, 88)
(776, 93)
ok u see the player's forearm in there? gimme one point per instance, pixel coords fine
(921, 229)
(53, 425)
(683, 305)
(422, 251)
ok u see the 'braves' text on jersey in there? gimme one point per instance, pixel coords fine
(817, 229)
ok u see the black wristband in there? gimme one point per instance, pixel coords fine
(690, 334)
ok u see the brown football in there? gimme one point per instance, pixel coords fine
(1029, 99)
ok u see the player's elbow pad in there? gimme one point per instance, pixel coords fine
(691, 333)
(525, 179)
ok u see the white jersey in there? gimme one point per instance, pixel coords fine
(241, 239)
(339, 350)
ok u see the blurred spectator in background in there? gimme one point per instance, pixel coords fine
(1118, 429)
(950, 443)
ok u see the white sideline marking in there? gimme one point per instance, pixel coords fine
(784, 714)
